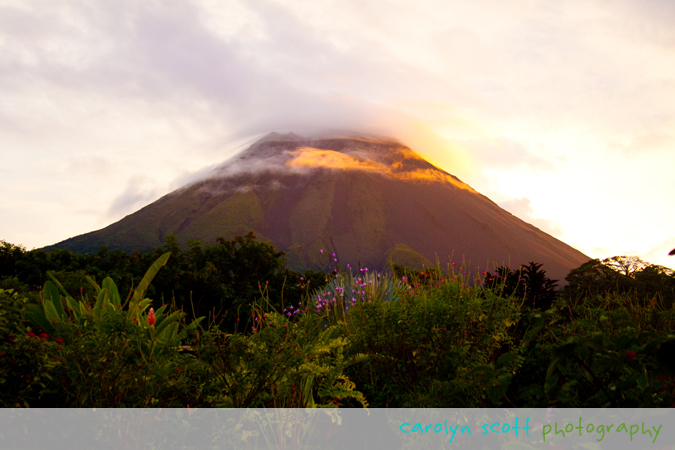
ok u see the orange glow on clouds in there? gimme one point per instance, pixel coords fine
(330, 159)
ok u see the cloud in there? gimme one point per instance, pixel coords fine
(521, 208)
(138, 193)
(160, 89)
(504, 153)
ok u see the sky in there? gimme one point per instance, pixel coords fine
(563, 113)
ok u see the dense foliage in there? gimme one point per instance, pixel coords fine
(222, 279)
(260, 335)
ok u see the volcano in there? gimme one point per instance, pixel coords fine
(368, 201)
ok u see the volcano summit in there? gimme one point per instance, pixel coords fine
(366, 200)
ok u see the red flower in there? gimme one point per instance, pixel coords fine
(151, 317)
(59, 340)
(44, 336)
(30, 334)
(631, 355)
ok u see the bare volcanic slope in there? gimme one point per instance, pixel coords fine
(365, 200)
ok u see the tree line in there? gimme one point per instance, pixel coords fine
(222, 280)
(215, 280)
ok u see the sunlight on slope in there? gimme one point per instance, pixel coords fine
(330, 159)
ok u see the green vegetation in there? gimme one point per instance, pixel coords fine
(228, 326)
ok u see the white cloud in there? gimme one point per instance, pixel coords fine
(521, 208)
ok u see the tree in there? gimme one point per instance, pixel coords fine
(539, 289)
(622, 275)
(594, 277)
(9, 255)
(626, 265)
(529, 282)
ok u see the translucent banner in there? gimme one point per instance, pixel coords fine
(337, 429)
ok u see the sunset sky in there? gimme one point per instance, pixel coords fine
(562, 112)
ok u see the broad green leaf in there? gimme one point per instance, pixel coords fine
(190, 328)
(161, 325)
(50, 311)
(101, 301)
(147, 279)
(36, 315)
(553, 366)
(50, 291)
(93, 283)
(109, 284)
(77, 308)
(307, 391)
(550, 382)
(61, 288)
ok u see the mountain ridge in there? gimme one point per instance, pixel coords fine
(361, 198)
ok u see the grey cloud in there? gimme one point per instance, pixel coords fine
(136, 195)
(166, 57)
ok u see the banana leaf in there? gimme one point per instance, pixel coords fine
(102, 301)
(109, 284)
(57, 304)
(145, 282)
(164, 321)
(51, 313)
(78, 308)
(190, 328)
(50, 291)
(36, 316)
(93, 283)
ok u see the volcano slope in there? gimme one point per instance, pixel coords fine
(368, 201)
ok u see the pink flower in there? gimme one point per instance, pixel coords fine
(151, 317)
